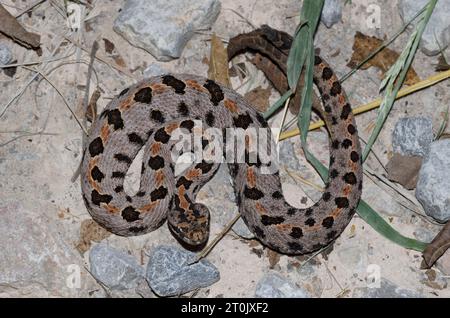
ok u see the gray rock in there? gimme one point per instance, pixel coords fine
(433, 184)
(114, 268)
(387, 289)
(5, 54)
(35, 260)
(438, 27)
(273, 285)
(154, 70)
(169, 272)
(331, 12)
(163, 27)
(288, 157)
(412, 136)
(424, 235)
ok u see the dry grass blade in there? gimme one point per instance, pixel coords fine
(430, 81)
(29, 8)
(444, 124)
(218, 62)
(398, 193)
(295, 176)
(396, 75)
(23, 88)
(219, 236)
(26, 134)
(62, 96)
(102, 59)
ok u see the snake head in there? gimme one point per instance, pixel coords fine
(191, 226)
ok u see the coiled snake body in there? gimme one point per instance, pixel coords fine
(147, 113)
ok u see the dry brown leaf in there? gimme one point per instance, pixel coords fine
(111, 50)
(253, 243)
(364, 45)
(404, 170)
(10, 27)
(258, 98)
(119, 60)
(274, 258)
(90, 231)
(91, 112)
(218, 62)
(437, 247)
(109, 46)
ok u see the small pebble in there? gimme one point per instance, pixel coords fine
(433, 184)
(114, 268)
(5, 54)
(165, 26)
(273, 285)
(169, 272)
(331, 12)
(412, 136)
(424, 235)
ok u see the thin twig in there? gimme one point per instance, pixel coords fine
(430, 81)
(218, 237)
(86, 104)
(49, 71)
(102, 59)
(240, 15)
(382, 46)
(283, 119)
(62, 96)
(29, 8)
(405, 194)
(26, 135)
(294, 175)
(35, 62)
(22, 90)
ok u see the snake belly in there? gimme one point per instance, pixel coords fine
(147, 113)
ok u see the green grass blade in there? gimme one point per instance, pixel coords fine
(301, 56)
(382, 227)
(297, 54)
(371, 217)
(304, 116)
(309, 19)
(396, 76)
(277, 105)
(443, 125)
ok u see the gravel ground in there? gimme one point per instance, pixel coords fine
(43, 208)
